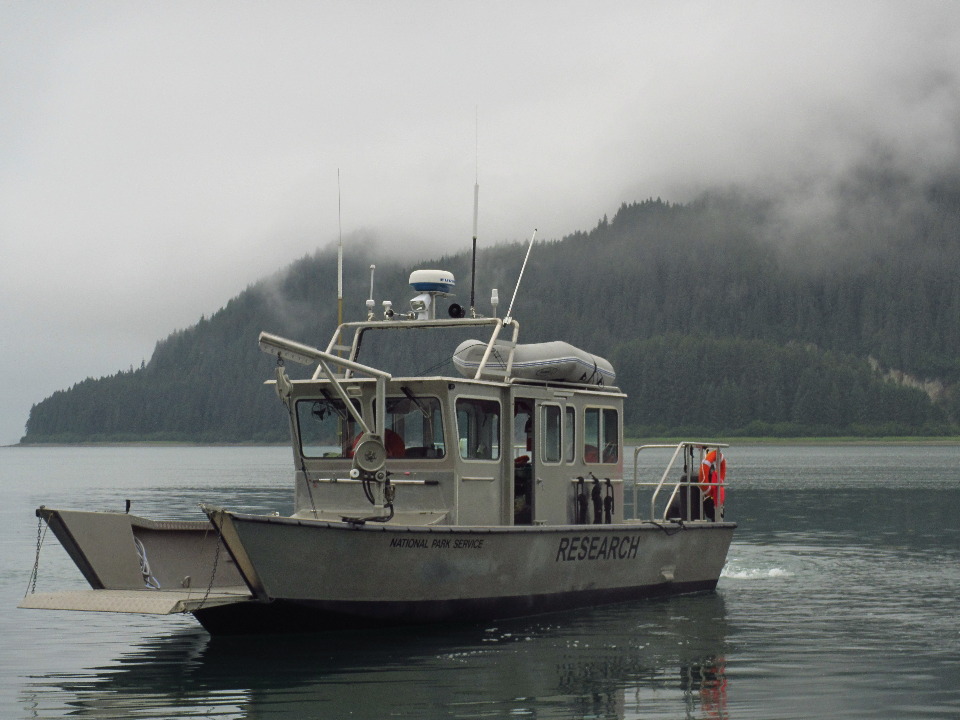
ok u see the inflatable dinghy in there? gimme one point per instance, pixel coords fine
(550, 361)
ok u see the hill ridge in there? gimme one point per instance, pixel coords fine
(715, 319)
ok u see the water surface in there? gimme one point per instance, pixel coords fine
(839, 599)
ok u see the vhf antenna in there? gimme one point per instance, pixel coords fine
(476, 206)
(339, 257)
(370, 301)
(509, 316)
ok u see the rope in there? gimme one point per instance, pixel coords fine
(672, 529)
(495, 354)
(434, 368)
(148, 579)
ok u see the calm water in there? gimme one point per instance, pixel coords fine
(841, 598)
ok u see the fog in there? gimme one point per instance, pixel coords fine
(159, 157)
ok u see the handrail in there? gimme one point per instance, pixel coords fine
(663, 478)
(490, 343)
(679, 448)
(513, 349)
(403, 324)
(398, 323)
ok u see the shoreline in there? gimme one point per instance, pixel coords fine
(628, 442)
(815, 440)
(146, 443)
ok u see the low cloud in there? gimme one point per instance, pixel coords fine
(157, 159)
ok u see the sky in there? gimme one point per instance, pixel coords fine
(156, 158)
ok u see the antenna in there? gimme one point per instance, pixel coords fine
(473, 261)
(523, 267)
(340, 258)
(476, 206)
(370, 302)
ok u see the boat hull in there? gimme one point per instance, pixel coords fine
(319, 575)
(295, 616)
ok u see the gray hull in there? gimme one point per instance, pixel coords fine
(317, 575)
(266, 574)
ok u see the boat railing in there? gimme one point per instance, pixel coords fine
(396, 323)
(665, 492)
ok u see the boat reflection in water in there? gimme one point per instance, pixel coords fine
(662, 658)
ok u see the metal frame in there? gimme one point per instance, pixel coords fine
(680, 449)
(361, 326)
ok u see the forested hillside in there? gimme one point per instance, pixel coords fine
(720, 317)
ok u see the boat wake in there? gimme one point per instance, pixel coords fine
(737, 572)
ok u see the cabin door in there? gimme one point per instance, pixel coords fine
(524, 460)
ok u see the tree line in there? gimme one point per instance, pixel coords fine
(713, 322)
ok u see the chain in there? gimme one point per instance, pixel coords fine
(36, 560)
(213, 573)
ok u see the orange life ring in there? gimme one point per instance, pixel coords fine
(711, 481)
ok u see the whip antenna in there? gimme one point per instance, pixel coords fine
(473, 262)
(523, 267)
(476, 206)
(339, 258)
(370, 302)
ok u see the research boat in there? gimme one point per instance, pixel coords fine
(499, 492)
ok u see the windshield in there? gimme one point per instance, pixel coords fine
(327, 429)
(414, 427)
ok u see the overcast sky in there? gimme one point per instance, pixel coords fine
(158, 157)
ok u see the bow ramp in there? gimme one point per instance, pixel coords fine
(138, 565)
(145, 602)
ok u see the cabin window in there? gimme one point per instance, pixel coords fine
(551, 433)
(611, 436)
(478, 429)
(601, 435)
(414, 427)
(326, 428)
(522, 440)
(569, 434)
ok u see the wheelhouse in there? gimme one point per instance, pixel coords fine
(472, 451)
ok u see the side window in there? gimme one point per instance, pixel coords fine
(478, 429)
(326, 428)
(601, 435)
(611, 436)
(591, 435)
(522, 440)
(414, 427)
(569, 435)
(550, 422)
